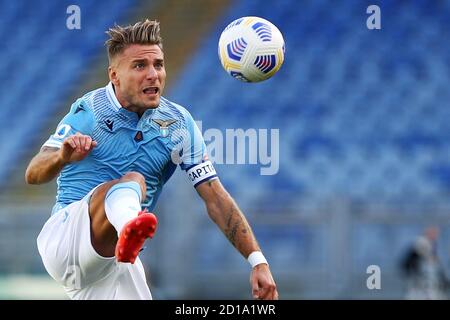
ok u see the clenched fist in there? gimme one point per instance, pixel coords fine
(76, 148)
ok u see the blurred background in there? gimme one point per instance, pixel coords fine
(363, 118)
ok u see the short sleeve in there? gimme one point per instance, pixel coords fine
(79, 119)
(194, 158)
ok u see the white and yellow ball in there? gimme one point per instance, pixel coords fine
(251, 49)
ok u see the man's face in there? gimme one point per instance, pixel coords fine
(139, 76)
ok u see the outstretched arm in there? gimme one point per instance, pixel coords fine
(224, 211)
(49, 162)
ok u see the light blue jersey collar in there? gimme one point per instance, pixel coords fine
(112, 97)
(146, 117)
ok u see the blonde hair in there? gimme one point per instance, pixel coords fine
(142, 32)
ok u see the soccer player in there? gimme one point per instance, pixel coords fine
(112, 154)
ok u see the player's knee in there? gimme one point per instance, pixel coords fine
(136, 177)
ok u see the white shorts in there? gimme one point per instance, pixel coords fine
(64, 244)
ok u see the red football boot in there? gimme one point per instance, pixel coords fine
(133, 236)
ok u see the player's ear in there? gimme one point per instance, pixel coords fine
(113, 75)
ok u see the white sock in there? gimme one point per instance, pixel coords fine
(122, 203)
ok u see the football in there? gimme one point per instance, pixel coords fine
(251, 49)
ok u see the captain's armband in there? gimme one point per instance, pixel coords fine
(201, 172)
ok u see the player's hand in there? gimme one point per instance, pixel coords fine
(76, 147)
(263, 285)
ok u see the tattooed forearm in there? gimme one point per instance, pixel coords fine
(231, 235)
(232, 226)
(230, 217)
(224, 211)
(237, 229)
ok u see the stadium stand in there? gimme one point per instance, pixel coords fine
(362, 119)
(42, 63)
(354, 107)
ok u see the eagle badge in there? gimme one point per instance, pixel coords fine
(164, 126)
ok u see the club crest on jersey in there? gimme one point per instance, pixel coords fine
(164, 126)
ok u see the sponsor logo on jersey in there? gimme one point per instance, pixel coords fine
(109, 123)
(79, 108)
